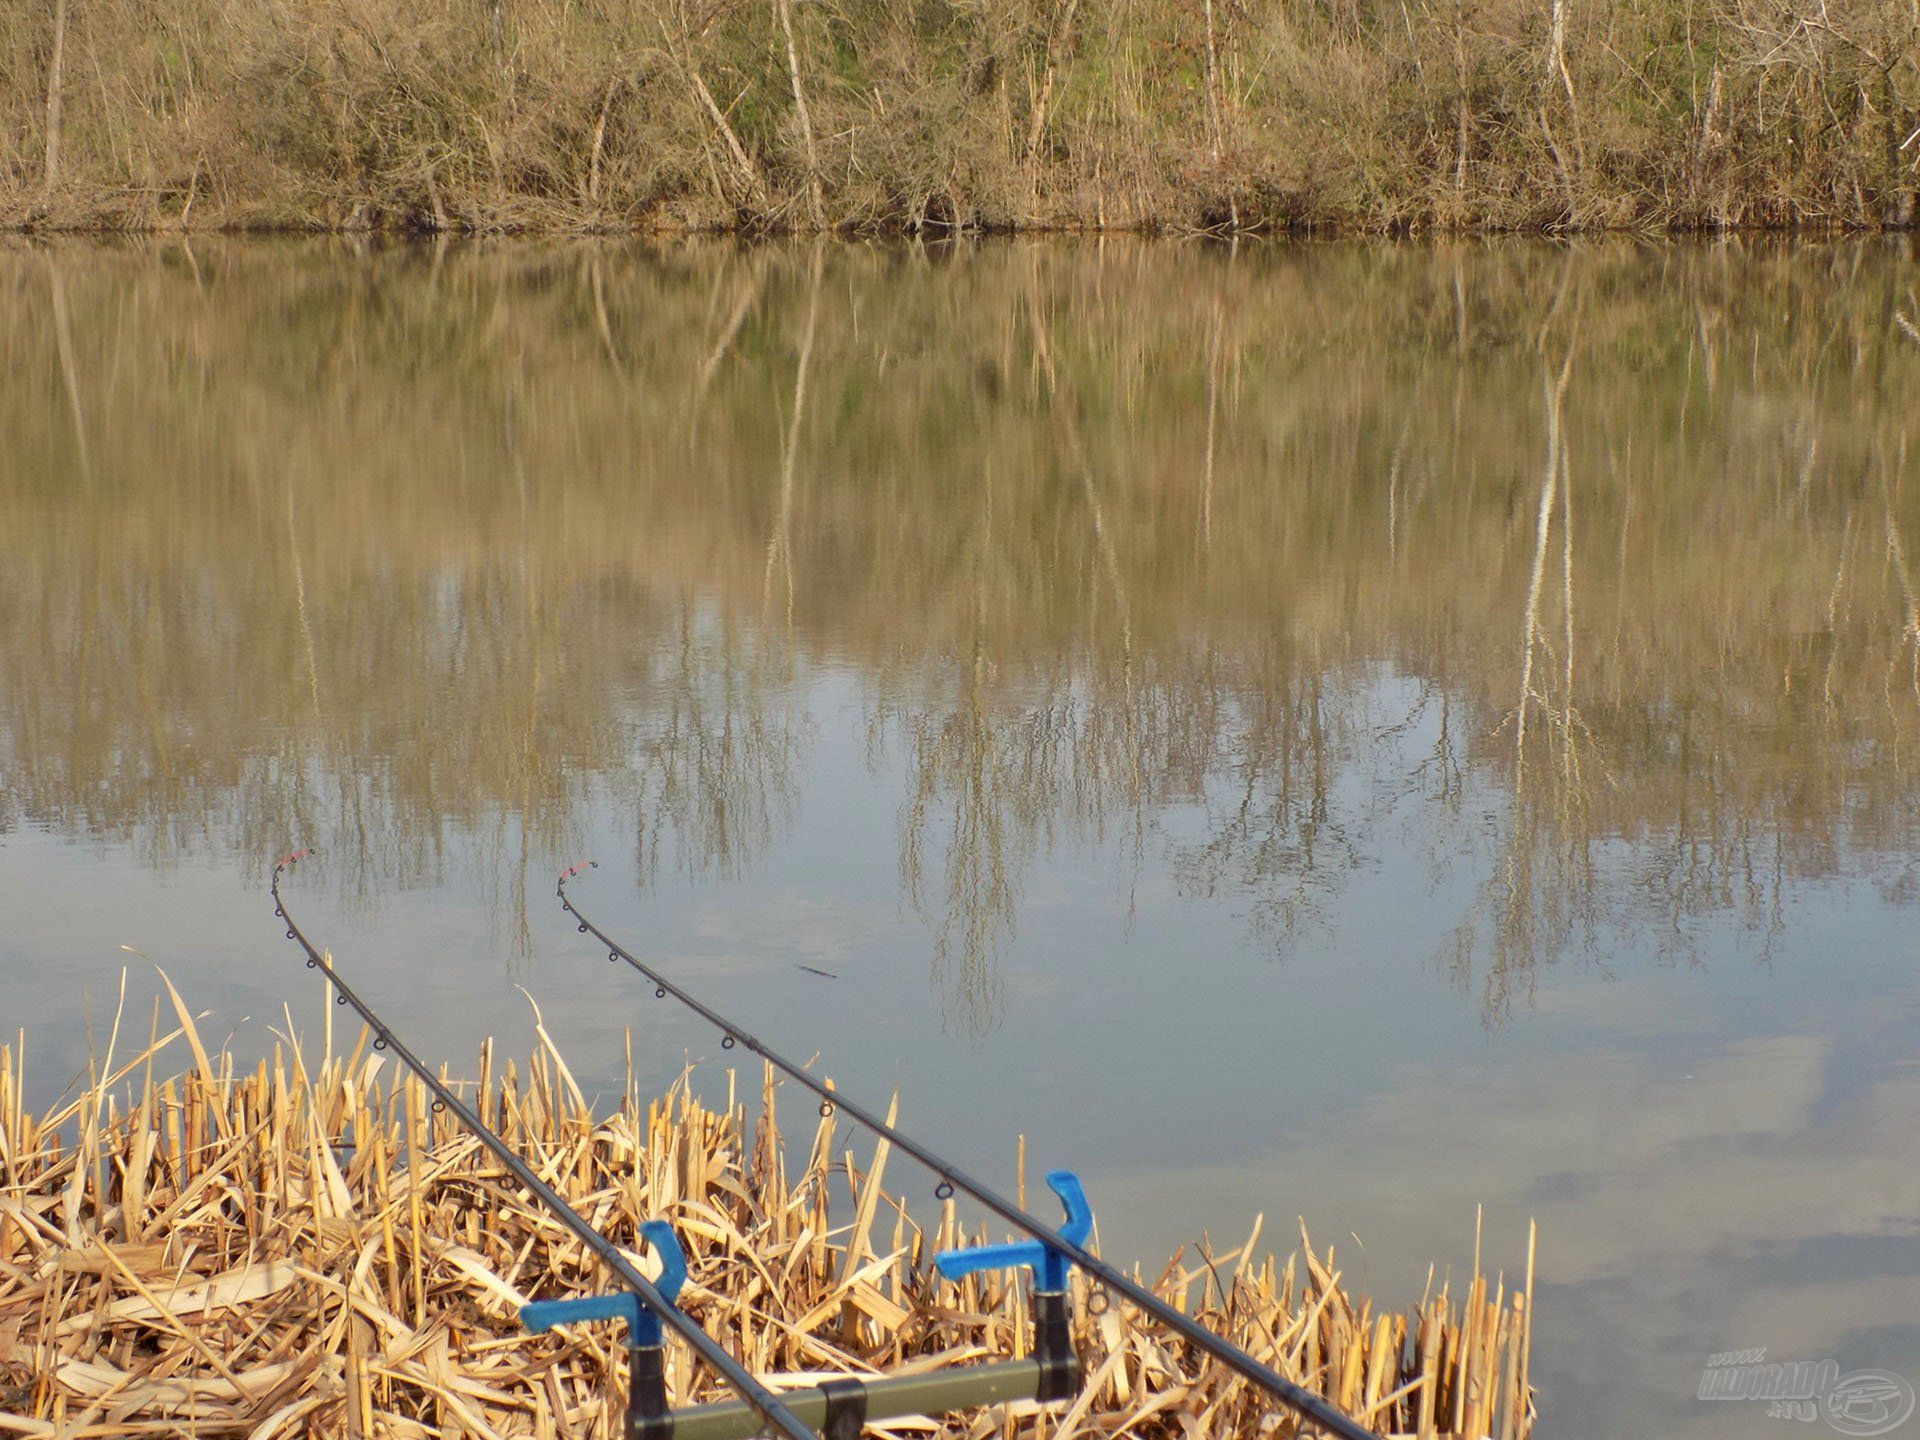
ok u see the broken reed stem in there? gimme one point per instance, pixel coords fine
(233, 1266)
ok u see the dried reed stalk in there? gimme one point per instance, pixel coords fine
(301, 1250)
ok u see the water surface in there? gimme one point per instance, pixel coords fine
(1358, 734)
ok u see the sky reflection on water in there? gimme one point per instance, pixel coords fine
(1352, 733)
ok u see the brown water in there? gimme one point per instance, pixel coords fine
(1341, 732)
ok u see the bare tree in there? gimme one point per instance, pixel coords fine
(55, 64)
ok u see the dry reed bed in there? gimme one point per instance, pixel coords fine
(305, 1248)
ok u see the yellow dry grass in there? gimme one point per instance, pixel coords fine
(305, 1248)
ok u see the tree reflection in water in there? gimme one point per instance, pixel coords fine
(393, 547)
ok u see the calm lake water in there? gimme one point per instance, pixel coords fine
(1350, 733)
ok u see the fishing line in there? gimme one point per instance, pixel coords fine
(952, 1178)
(764, 1401)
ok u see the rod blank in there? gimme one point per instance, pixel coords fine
(760, 1402)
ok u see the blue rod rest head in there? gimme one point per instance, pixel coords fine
(643, 1326)
(673, 1264)
(540, 1316)
(1049, 1265)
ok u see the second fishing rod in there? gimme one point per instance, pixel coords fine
(951, 1178)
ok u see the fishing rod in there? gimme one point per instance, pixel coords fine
(660, 1308)
(952, 1178)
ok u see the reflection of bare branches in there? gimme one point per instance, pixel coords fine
(596, 286)
(780, 542)
(69, 367)
(715, 768)
(958, 755)
(1213, 419)
(300, 603)
(1531, 637)
(1121, 623)
(1897, 557)
(998, 769)
(531, 591)
(1533, 915)
(1833, 619)
(956, 764)
(1069, 431)
(742, 307)
(1276, 839)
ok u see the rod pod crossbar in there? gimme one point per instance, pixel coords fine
(1295, 1397)
(767, 1410)
(842, 1406)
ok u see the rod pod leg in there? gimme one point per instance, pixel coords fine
(1060, 1371)
(647, 1415)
